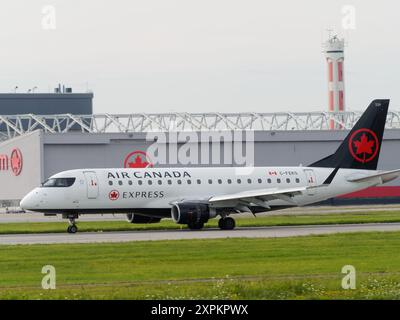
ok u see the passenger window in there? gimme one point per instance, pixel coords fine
(278, 180)
(229, 181)
(297, 180)
(159, 182)
(140, 182)
(189, 182)
(179, 181)
(219, 181)
(259, 180)
(150, 182)
(198, 181)
(130, 182)
(110, 183)
(239, 181)
(249, 181)
(209, 181)
(120, 182)
(269, 180)
(169, 181)
(288, 180)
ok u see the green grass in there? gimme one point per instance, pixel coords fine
(281, 268)
(261, 220)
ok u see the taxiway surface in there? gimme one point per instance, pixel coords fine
(258, 232)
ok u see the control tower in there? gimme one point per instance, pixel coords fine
(334, 53)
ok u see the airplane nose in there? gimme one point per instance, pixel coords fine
(29, 202)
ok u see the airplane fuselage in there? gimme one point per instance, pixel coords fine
(154, 190)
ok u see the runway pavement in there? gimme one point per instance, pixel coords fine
(261, 232)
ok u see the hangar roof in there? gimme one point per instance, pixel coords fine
(14, 125)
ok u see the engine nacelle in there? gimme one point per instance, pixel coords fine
(191, 212)
(137, 218)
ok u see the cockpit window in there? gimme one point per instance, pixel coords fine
(59, 182)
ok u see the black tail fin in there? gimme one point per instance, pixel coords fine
(361, 148)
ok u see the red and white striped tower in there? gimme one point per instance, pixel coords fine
(334, 53)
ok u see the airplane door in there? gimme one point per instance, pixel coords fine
(311, 180)
(92, 184)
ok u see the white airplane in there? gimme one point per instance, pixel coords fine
(192, 196)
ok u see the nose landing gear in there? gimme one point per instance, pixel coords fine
(72, 228)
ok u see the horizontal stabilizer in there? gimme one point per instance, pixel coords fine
(386, 176)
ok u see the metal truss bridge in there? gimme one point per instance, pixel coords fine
(15, 125)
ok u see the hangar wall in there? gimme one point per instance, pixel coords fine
(44, 154)
(283, 148)
(20, 166)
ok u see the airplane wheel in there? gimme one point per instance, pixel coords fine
(72, 229)
(227, 223)
(196, 225)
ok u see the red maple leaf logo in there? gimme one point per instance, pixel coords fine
(16, 161)
(113, 195)
(137, 159)
(138, 163)
(364, 145)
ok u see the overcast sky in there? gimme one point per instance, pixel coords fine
(196, 56)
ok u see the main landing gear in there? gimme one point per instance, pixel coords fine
(226, 223)
(196, 225)
(72, 228)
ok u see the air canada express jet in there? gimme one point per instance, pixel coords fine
(192, 196)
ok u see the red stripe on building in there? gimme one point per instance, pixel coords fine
(330, 71)
(331, 124)
(331, 100)
(341, 101)
(374, 192)
(340, 71)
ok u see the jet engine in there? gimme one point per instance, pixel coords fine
(192, 213)
(137, 218)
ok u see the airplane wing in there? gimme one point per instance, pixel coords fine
(386, 176)
(258, 197)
